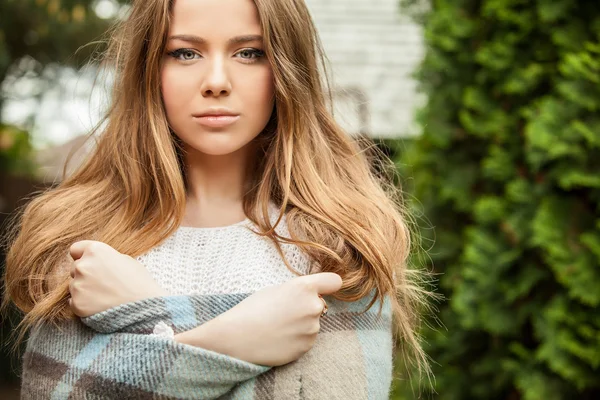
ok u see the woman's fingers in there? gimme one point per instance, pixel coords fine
(78, 248)
(323, 283)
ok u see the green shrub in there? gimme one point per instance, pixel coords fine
(507, 171)
(15, 151)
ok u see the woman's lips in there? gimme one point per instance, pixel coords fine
(216, 121)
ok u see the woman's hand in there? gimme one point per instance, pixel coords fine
(272, 327)
(104, 278)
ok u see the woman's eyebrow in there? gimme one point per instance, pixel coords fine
(235, 40)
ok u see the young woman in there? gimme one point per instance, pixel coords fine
(188, 256)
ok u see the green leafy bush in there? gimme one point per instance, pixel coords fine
(507, 171)
(15, 151)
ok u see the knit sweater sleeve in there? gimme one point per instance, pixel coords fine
(117, 359)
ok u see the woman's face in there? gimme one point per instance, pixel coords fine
(216, 82)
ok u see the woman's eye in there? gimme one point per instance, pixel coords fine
(183, 54)
(248, 55)
(251, 54)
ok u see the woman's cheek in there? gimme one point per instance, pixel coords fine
(169, 96)
(168, 82)
(260, 90)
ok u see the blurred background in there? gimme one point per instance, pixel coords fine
(491, 111)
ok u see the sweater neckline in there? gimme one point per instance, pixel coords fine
(272, 209)
(245, 222)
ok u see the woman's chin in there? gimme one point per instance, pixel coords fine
(216, 143)
(216, 149)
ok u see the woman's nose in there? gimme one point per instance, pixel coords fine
(216, 82)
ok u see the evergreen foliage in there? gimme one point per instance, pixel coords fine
(507, 173)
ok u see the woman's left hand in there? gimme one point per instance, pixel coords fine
(104, 278)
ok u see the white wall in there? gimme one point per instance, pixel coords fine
(372, 49)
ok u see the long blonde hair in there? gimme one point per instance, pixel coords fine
(130, 193)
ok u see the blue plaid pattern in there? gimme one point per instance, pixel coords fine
(111, 355)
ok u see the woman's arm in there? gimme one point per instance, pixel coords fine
(273, 326)
(118, 358)
(194, 320)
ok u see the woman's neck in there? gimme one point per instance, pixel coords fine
(215, 189)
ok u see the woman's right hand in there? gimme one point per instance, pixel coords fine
(273, 326)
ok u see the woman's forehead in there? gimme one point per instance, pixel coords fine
(215, 19)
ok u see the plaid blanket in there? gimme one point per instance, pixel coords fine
(111, 355)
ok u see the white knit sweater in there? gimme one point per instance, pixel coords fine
(220, 260)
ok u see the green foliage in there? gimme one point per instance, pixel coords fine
(48, 31)
(507, 171)
(36, 35)
(15, 151)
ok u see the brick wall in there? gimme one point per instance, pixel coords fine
(372, 49)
